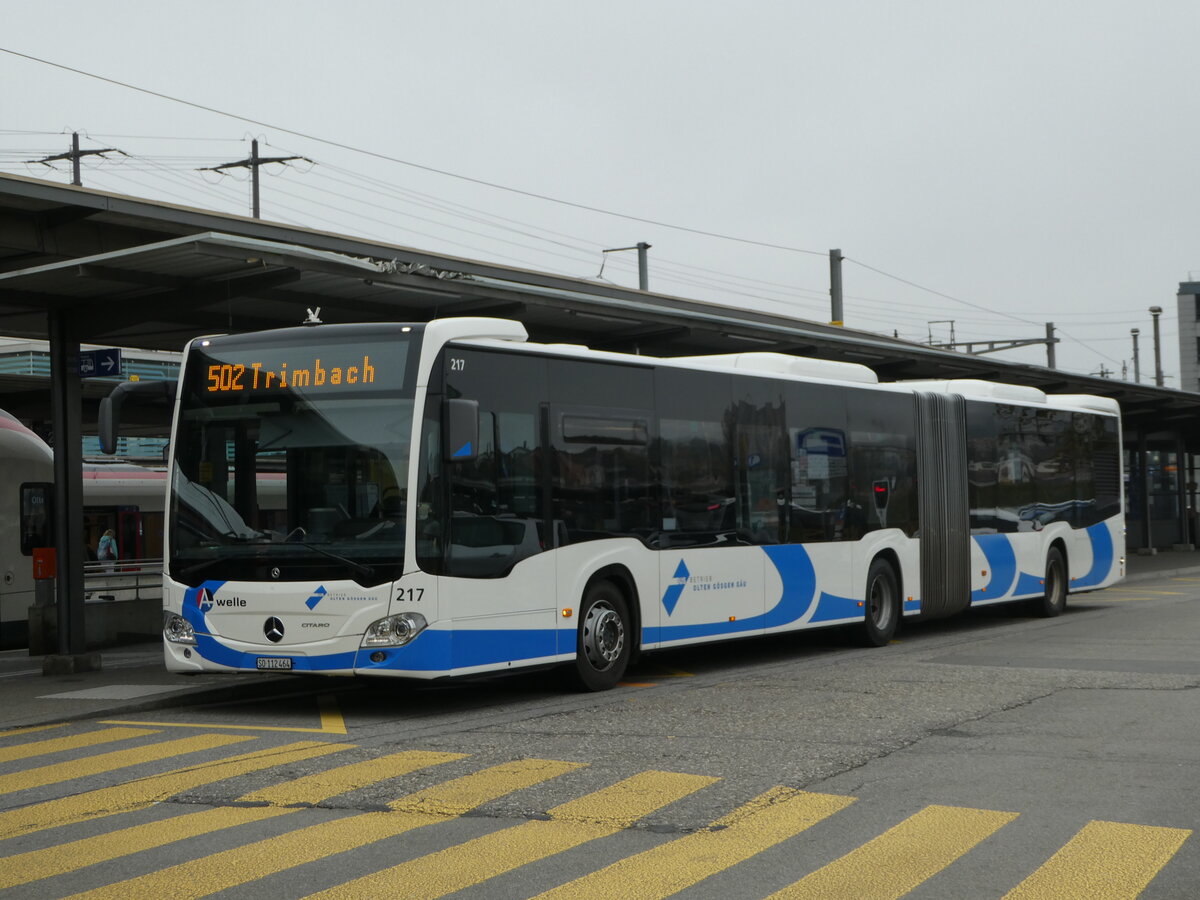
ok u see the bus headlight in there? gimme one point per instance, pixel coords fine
(177, 629)
(394, 631)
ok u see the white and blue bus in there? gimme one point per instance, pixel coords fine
(459, 500)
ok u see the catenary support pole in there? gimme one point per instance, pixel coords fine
(835, 287)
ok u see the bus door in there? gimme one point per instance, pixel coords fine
(724, 464)
(497, 573)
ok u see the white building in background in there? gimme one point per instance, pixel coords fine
(1189, 337)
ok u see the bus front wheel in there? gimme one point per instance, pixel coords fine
(882, 604)
(604, 638)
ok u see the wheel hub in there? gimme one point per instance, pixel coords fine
(603, 636)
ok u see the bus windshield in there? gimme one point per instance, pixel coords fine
(291, 456)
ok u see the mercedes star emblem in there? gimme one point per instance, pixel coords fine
(273, 629)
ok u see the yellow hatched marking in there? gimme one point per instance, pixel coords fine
(331, 721)
(902, 857)
(29, 729)
(589, 818)
(56, 745)
(309, 789)
(108, 762)
(1104, 861)
(37, 864)
(230, 868)
(765, 821)
(154, 789)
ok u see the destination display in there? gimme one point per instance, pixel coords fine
(228, 369)
(227, 377)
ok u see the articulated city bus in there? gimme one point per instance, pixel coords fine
(459, 500)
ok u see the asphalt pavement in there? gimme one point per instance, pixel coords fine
(132, 678)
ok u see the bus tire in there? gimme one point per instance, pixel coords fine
(1054, 600)
(605, 639)
(882, 604)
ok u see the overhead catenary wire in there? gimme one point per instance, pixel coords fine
(404, 162)
(793, 295)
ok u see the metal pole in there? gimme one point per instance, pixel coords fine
(68, 480)
(835, 287)
(1144, 472)
(254, 173)
(1137, 366)
(76, 178)
(1155, 312)
(1050, 345)
(643, 267)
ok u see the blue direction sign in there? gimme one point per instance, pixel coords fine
(99, 363)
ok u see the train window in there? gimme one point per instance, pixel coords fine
(37, 516)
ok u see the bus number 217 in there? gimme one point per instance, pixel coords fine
(412, 595)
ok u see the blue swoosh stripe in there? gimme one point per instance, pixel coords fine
(1102, 556)
(1002, 562)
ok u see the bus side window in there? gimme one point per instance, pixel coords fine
(819, 508)
(699, 502)
(883, 464)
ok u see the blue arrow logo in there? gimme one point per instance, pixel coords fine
(316, 598)
(671, 597)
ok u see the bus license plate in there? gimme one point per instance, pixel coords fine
(274, 662)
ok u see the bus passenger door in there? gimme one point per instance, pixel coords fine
(496, 573)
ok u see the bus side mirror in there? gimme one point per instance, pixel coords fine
(462, 429)
(109, 425)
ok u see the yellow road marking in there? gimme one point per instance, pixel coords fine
(220, 871)
(597, 815)
(309, 789)
(108, 762)
(765, 821)
(56, 745)
(29, 729)
(331, 721)
(902, 857)
(1104, 861)
(147, 791)
(312, 789)
(37, 864)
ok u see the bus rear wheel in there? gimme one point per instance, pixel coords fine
(882, 604)
(604, 638)
(1054, 599)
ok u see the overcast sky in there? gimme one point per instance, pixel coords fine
(1005, 164)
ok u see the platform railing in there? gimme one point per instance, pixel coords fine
(122, 579)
